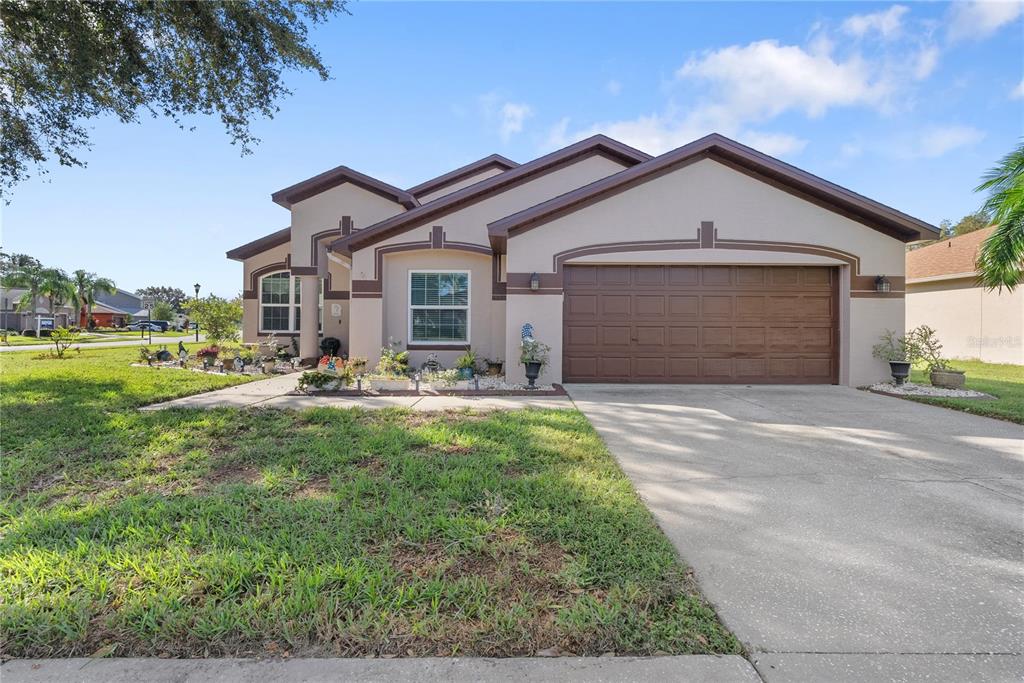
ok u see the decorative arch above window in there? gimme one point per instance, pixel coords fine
(280, 300)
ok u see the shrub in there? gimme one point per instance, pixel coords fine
(220, 318)
(28, 333)
(392, 361)
(62, 339)
(210, 352)
(534, 351)
(927, 348)
(467, 360)
(894, 347)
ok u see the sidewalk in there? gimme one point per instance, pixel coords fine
(134, 341)
(709, 668)
(274, 393)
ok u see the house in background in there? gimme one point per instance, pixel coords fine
(971, 322)
(113, 309)
(13, 319)
(710, 263)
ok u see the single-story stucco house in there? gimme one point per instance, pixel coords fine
(710, 263)
(943, 292)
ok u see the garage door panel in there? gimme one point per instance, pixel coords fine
(700, 324)
(615, 305)
(650, 336)
(580, 306)
(616, 335)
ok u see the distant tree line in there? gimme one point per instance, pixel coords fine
(79, 289)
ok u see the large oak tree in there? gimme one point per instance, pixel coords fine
(63, 62)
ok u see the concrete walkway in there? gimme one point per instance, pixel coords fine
(274, 393)
(841, 535)
(134, 341)
(731, 669)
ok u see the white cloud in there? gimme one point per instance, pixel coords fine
(509, 116)
(513, 114)
(1018, 92)
(773, 144)
(888, 23)
(850, 150)
(977, 20)
(613, 87)
(934, 141)
(925, 62)
(764, 79)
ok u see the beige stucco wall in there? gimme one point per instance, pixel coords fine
(469, 224)
(971, 322)
(324, 212)
(672, 207)
(485, 336)
(465, 182)
(251, 307)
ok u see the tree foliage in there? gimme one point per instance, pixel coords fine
(66, 61)
(1001, 259)
(172, 295)
(219, 318)
(87, 285)
(969, 223)
(163, 311)
(13, 262)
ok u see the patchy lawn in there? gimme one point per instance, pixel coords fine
(1005, 382)
(327, 532)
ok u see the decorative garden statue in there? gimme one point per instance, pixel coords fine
(182, 349)
(527, 332)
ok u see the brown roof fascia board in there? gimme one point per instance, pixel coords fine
(337, 176)
(717, 147)
(270, 241)
(596, 144)
(463, 172)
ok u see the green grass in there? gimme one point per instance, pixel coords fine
(326, 532)
(1005, 382)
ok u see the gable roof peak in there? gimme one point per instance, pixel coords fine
(463, 172)
(338, 176)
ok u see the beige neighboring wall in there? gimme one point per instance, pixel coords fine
(465, 182)
(970, 322)
(482, 311)
(672, 207)
(266, 262)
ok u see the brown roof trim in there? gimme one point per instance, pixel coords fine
(597, 144)
(270, 241)
(337, 176)
(463, 172)
(720, 148)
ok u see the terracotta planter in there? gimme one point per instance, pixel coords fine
(948, 379)
(900, 370)
(494, 369)
(229, 364)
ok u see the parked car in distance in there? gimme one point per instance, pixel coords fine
(148, 325)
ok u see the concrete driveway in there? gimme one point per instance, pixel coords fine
(835, 529)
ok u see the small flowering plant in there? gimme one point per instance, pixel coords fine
(210, 352)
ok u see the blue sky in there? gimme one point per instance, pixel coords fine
(906, 103)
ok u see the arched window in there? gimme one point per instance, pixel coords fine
(279, 303)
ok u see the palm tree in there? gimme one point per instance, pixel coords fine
(57, 288)
(1001, 259)
(87, 286)
(31, 277)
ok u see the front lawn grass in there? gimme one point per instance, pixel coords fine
(327, 532)
(1005, 382)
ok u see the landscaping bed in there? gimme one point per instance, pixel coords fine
(226, 532)
(553, 390)
(1003, 382)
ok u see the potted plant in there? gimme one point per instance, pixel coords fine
(466, 364)
(898, 351)
(494, 366)
(534, 356)
(930, 351)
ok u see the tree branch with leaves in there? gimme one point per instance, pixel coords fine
(1001, 258)
(64, 62)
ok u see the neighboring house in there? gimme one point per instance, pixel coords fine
(710, 263)
(113, 309)
(13, 319)
(972, 322)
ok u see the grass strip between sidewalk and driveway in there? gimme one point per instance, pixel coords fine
(1005, 382)
(195, 533)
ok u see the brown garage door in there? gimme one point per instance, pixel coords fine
(741, 324)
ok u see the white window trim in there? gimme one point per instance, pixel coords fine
(292, 279)
(468, 308)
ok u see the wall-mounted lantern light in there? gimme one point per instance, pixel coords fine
(882, 284)
(535, 282)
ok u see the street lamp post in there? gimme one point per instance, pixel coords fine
(196, 321)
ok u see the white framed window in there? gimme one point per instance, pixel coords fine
(279, 303)
(439, 307)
